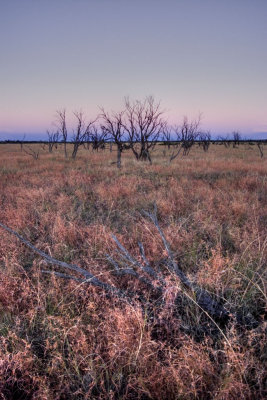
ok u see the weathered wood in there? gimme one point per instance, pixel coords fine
(88, 277)
(154, 281)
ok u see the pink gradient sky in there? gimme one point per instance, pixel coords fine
(195, 56)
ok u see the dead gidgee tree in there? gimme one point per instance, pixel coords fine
(97, 138)
(204, 140)
(144, 123)
(167, 136)
(113, 129)
(82, 132)
(186, 136)
(53, 139)
(236, 138)
(139, 126)
(61, 125)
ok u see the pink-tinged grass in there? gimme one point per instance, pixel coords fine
(62, 340)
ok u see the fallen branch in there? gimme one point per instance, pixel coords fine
(155, 281)
(88, 277)
(203, 298)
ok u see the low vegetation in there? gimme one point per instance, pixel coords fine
(70, 339)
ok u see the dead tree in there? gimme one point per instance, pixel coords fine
(21, 142)
(113, 128)
(144, 123)
(124, 264)
(260, 147)
(61, 125)
(236, 138)
(97, 138)
(224, 140)
(204, 140)
(166, 136)
(53, 138)
(82, 132)
(186, 136)
(31, 152)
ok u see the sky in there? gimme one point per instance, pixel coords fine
(195, 56)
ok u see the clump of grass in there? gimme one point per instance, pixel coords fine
(62, 340)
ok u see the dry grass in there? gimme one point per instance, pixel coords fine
(61, 340)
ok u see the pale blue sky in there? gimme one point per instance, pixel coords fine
(206, 56)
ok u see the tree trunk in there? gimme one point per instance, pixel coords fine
(119, 151)
(135, 152)
(145, 156)
(260, 149)
(75, 150)
(65, 149)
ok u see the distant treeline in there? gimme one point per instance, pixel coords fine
(160, 142)
(139, 127)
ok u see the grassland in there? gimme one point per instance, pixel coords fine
(63, 340)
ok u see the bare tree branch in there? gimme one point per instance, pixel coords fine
(62, 128)
(186, 135)
(82, 132)
(144, 123)
(89, 278)
(31, 152)
(53, 138)
(112, 127)
(203, 298)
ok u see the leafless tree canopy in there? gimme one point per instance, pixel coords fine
(139, 126)
(186, 136)
(97, 137)
(61, 125)
(167, 135)
(53, 138)
(204, 140)
(144, 123)
(82, 132)
(113, 128)
(236, 138)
